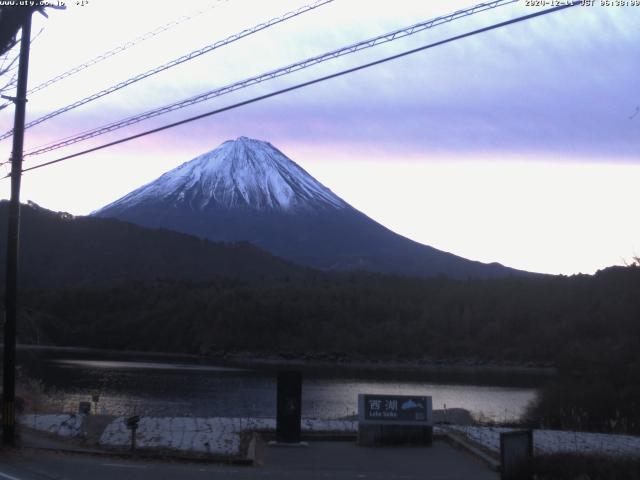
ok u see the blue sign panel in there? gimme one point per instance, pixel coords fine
(403, 409)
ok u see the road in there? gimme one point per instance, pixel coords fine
(320, 460)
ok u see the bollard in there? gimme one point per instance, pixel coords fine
(84, 408)
(289, 407)
(95, 398)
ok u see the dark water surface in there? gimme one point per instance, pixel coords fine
(182, 386)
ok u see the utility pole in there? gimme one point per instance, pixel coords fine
(13, 234)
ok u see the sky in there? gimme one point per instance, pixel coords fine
(519, 145)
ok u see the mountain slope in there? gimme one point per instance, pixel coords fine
(247, 190)
(58, 249)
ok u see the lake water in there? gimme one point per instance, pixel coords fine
(172, 386)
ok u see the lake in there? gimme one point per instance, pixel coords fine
(162, 385)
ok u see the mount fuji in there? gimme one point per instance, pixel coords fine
(247, 190)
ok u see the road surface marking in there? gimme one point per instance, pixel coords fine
(121, 465)
(8, 477)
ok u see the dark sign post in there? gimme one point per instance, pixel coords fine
(289, 405)
(132, 424)
(384, 419)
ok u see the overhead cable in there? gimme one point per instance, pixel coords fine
(269, 75)
(307, 83)
(177, 61)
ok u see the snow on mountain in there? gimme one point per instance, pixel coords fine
(247, 190)
(242, 173)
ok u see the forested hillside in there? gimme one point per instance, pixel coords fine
(58, 249)
(555, 319)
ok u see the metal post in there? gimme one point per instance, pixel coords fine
(133, 439)
(13, 231)
(132, 424)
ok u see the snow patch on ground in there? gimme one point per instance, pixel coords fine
(64, 425)
(554, 441)
(218, 435)
(222, 436)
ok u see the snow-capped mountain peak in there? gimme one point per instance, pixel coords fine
(248, 191)
(242, 173)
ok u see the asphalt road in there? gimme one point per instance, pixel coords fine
(321, 460)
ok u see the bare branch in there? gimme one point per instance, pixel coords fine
(11, 63)
(9, 66)
(10, 83)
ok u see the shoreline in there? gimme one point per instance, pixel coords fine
(324, 361)
(463, 366)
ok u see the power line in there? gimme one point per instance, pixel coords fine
(175, 62)
(308, 83)
(119, 49)
(125, 46)
(362, 45)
